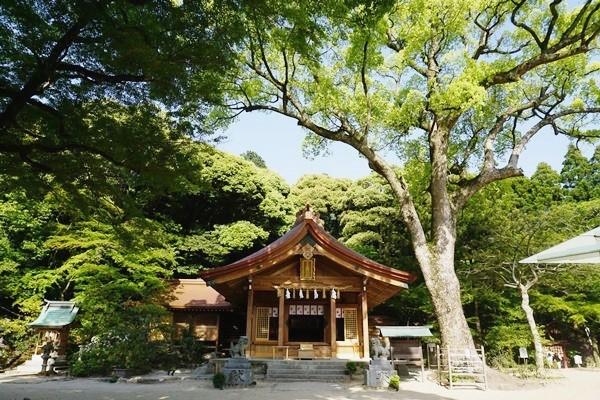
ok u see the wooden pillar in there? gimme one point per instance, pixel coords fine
(63, 337)
(365, 324)
(281, 317)
(332, 329)
(249, 318)
(218, 333)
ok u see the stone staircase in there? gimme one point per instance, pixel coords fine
(306, 370)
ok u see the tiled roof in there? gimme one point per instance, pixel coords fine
(194, 294)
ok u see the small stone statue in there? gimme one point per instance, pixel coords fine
(380, 348)
(238, 350)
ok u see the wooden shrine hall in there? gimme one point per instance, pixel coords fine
(306, 295)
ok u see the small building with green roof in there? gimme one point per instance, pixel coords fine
(53, 324)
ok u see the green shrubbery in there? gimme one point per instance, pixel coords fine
(394, 382)
(218, 380)
(107, 351)
(351, 368)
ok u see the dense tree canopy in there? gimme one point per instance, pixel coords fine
(116, 262)
(89, 88)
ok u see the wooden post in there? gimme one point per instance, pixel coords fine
(332, 329)
(437, 355)
(483, 367)
(218, 334)
(449, 366)
(249, 318)
(422, 361)
(365, 324)
(281, 317)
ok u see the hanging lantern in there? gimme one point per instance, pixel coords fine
(287, 293)
(315, 294)
(333, 294)
(301, 295)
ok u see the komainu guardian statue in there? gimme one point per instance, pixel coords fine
(238, 350)
(380, 348)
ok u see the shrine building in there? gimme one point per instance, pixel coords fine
(305, 295)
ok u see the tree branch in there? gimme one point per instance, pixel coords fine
(489, 173)
(24, 150)
(564, 48)
(42, 76)
(100, 77)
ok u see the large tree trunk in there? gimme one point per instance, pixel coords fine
(444, 287)
(535, 334)
(436, 256)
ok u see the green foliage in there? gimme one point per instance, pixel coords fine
(502, 341)
(115, 262)
(218, 380)
(394, 382)
(351, 368)
(123, 346)
(56, 117)
(254, 158)
(577, 176)
(505, 223)
(325, 195)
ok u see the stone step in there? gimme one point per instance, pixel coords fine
(308, 367)
(300, 366)
(306, 371)
(314, 378)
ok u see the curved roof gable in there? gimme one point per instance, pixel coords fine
(308, 224)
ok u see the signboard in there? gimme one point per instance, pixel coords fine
(292, 309)
(299, 310)
(320, 310)
(313, 309)
(577, 360)
(274, 312)
(306, 309)
(523, 352)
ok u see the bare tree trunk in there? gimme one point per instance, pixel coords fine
(436, 259)
(535, 334)
(444, 287)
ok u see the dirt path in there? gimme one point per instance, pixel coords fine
(576, 385)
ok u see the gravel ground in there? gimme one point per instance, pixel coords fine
(575, 384)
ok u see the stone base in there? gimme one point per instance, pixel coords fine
(379, 373)
(238, 372)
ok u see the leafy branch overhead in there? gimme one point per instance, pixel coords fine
(473, 82)
(66, 64)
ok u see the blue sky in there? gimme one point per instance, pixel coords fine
(278, 140)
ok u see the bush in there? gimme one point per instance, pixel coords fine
(395, 382)
(351, 368)
(117, 348)
(218, 380)
(502, 359)
(525, 371)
